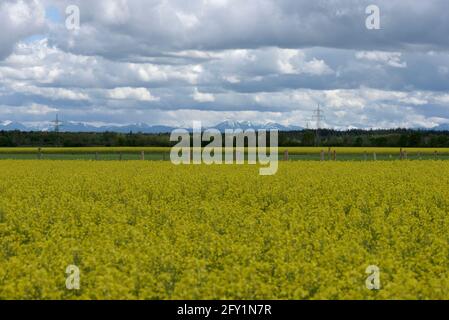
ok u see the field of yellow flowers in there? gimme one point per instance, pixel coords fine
(152, 230)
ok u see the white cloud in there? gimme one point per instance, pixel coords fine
(125, 93)
(188, 20)
(114, 12)
(286, 65)
(202, 97)
(292, 61)
(38, 109)
(393, 59)
(232, 79)
(33, 109)
(442, 99)
(18, 20)
(51, 93)
(317, 67)
(414, 101)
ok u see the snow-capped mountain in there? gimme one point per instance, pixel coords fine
(138, 127)
(11, 126)
(441, 127)
(245, 125)
(71, 126)
(280, 127)
(233, 125)
(84, 127)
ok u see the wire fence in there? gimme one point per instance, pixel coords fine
(165, 156)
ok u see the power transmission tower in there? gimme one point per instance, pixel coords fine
(318, 116)
(57, 125)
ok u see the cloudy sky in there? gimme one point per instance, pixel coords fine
(174, 61)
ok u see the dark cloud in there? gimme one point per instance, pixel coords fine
(117, 28)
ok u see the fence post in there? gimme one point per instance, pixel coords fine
(39, 153)
(374, 156)
(120, 156)
(96, 156)
(329, 153)
(335, 155)
(401, 154)
(322, 155)
(142, 155)
(286, 155)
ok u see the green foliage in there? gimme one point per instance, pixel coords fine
(307, 138)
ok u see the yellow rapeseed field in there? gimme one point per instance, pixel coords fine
(152, 230)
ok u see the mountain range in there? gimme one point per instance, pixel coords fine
(71, 126)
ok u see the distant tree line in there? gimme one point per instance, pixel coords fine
(332, 138)
(366, 138)
(81, 139)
